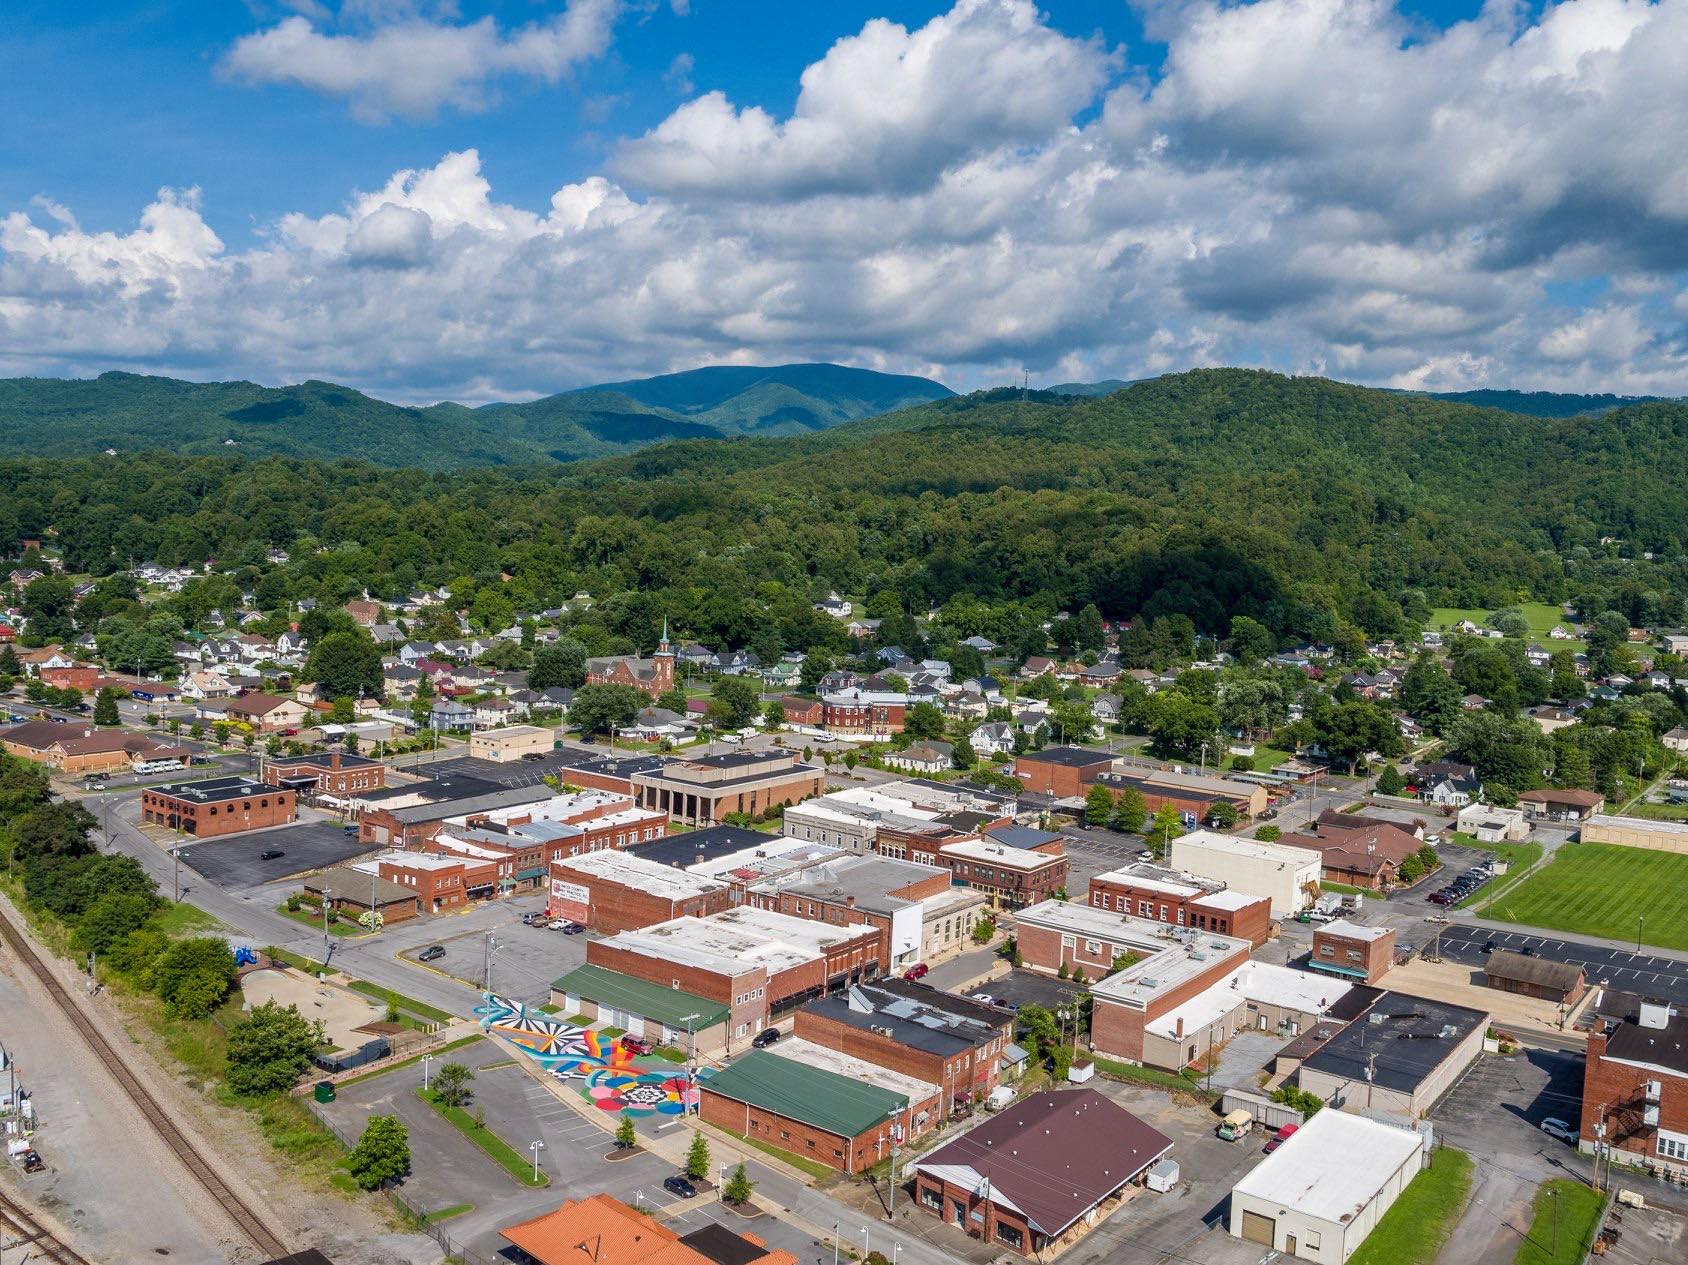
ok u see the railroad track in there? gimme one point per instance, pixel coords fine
(22, 1230)
(243, 1217)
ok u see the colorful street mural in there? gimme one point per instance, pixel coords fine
(611, 1078)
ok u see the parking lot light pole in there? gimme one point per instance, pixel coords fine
(865, 1252)
(426, 1059)
(835, 1243)
(327, 900)
(536, 1147)
(1639, 924)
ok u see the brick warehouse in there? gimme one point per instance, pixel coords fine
(1161, 967)
(1635, 1090)
(611, 892)
(217, 806)
(1064, 772)
(757, 963)
(326, 773)
(1183, 900)
(818, 1103)
(921, 1032)
(862, 891)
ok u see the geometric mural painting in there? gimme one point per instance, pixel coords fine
(612, 1079)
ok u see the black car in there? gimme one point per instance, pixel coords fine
(271, 854)
(431, 952)
(533, 755)
(763, 1039)
(573, 929)
(678, 1185)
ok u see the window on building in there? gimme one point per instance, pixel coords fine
(1326, 951)
(1673, 1146)
(1011, 1235)
(1353, 955)
(1092, 947)
(785, 1134)
(1144, 909)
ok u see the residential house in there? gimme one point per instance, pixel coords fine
(1448, 783)
(836, 606)
(996, 737)
(927, 757)
(863, 629)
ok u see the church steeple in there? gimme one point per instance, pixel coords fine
(662, 646)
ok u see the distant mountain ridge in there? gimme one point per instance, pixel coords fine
(127, 412)
(1527, 403)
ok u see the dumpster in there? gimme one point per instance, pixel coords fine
(325, 1091)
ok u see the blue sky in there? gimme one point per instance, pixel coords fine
(1382, 193)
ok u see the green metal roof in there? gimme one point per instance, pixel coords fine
(825, 1100)
(1331, 968)
(665, 1005)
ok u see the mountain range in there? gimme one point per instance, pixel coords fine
(125, 412)
(128, 413)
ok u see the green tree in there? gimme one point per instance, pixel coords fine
(739, 1186)
(673, 700)
(1222, 815)
(269, 1049)
(9, 664)
(1268, 834)
(382, 1154)
(773, 715)
(48, 605)
(596, 707)
(1167, 825)
(1430, 695)
(1130, 811)
(815, 665)
(108, 921)
(1390, 781)
(735, 702)
(625, 1134)
(451, 1085)
(562, 666)
(105, 708)
(346, 664)
(697, 1158)
(193, 976)
(923, 720)
(1098, 805)
(1251, 641)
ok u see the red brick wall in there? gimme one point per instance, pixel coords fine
(596, 781)
(1375, 956)
(972, 1073)
(1252, 922)
(1014, 887)
(614, 907)
(254, 812)
(728, 990)
(1059, 780)
(949, 1195)
(1117, 1031)
(1619, 1089)
(766, 1126)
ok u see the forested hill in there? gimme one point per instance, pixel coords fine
(1307, 504)
(130, 413)
(1545, 403)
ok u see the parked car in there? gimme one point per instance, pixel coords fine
(1284, 1133)
(1433, 840)
(1557, 1128)
(533, 755)
(917, 971)
(563, 924)
(32, 1161)
(763, 1039)
(1319, 915)
(271, 854)
(573, 929)
(350, 828)
(637, 1045)
(431, 953)
(678, 1185)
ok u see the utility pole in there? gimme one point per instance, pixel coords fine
(891, 1194)
(327, 900)
(486, 965)
(1555, 1252)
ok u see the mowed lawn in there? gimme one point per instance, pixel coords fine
(1601, 889)
(1541, 617)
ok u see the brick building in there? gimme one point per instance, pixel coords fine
(1194, 796)
(801, 710)
(1635, 1090)
(925, 1034)
(704, 790)
(867, 891)
(326, 773)
(1010, 877)
(820, 1104)
(80, 748)
(611, 892)
(1064, 772)
(1027, 1176)
(1368, 857)
(1351, 951)
(78, 676)
(217, 806)
(610, 772)
(441, 884)
(354, 892)
(860, 710)
(652, 676)
(757, 963)
(1562, 983)
(1182, 900)
(526, 839)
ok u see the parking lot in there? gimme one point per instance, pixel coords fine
(1093, 852)
(1643, 973)
(513, 773)
(1025, 988)
(232, 862)
(524, 962)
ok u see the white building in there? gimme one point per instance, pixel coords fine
(1491, 824)
(1322, 1192)
(1286, 876)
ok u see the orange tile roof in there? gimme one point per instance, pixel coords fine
(601, 1230)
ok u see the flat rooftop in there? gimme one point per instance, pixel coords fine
(999, 854)
(1616, 822)
(1237, 846)
(697, 846)
(636, 872)
(864, 804)
(1352, 930)
(735, 941)
(1410, 1038)
(445, 809)
(1172, 955)
(1264, 983)
(870, 879)
(774, 856)
(808, 1054)
(1332, 1166)
(927, 1024)
(216, 790)
(1072, 757)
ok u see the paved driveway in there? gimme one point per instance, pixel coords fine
(1026, 988)
(233, 862)
(1644, 973)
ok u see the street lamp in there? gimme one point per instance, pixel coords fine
(327, 900)
(536, 1147)
(426, 1059)
(1639, 924)
(176, 853)
(864, 1243)
(835, 1243)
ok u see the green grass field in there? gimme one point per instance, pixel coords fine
(1542, 618)
(1601, 889)
(1577, 1217)
(1660, 812)
(1417, 1224)
(1518, 856)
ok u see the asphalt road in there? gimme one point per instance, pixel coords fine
(1664, 978)
(235, 862)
